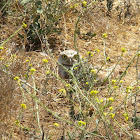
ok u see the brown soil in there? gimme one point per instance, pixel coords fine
(122, 32)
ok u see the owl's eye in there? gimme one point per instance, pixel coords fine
(75, 57)
(64, 56)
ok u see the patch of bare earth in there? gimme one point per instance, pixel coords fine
(123, 32)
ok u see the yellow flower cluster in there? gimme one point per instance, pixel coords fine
(126, 116)
(81, 123)
(128, 89)
(98, 100)
(84, 3)
(93, 92)
(104, 35)
(56, 124)
(115, 87)
(74, 6)
(62, 90)
(23, 106)
(86, 83)
(1, 48)
(111, 108)
(111, 99)
(13, 55)
(68, 85)
(123, 50)
(48, 72)
(16, 122)
(112, 115)
(75, 68)
(108, 58)
(24, 25)
(45, 61)
(93, 71)
(1, 58)
(90, 53)
(32, 70)
(97, 50)
(114, 81)
(16, 78)
(27, 61)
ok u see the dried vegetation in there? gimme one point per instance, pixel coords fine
(35, 103)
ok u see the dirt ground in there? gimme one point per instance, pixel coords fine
(122, 31)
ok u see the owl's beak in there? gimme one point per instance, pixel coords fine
(70, 60)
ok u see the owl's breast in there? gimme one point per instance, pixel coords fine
(67, 66)
(63, 72)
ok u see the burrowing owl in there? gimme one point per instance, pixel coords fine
(67, 59)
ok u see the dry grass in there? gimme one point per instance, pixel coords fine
(45, 103)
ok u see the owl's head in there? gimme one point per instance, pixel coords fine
(68, 58)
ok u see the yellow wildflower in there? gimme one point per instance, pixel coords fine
(7, 66)
(93, 71)
(126, 116)
(23, 106)
(48, 72)
(24, 25)
(76, 5)
(30, 65)
(105, 113)
(111, 108)
(75, 68)
(114, 81)
(71, 7)
(97, 50)
(32, 70)
(62, 90)
(97, 100)
(86, 83)
(81, 123)
(56, 124)
(90, 53)
(13, 55)
(101, 100)
(123, 50)
(1, 58)
(104, 35)
(16, 78)
(128, 89)
(45, 61)
(112, 115)
(27, 61)
(68, 85)
(1, 48)
(115, 87)
(16, 122)
(111, 99)
(93, 92)
(108, 58)
(84, 3)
